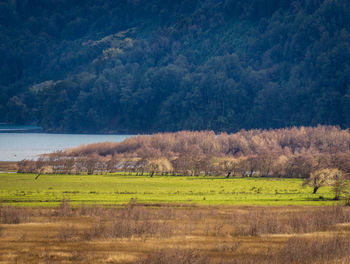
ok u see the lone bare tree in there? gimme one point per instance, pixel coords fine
(326, 177)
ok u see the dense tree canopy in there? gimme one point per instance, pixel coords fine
(144, 66)
(321, 154)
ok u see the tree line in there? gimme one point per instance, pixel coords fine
(155, 66)
(320, 155)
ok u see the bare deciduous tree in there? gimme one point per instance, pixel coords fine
(325, 177)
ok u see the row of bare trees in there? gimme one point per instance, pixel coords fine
(291, 141)
(293, 152)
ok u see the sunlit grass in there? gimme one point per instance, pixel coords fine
(48, 190)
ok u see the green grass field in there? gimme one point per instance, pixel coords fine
(49, 190)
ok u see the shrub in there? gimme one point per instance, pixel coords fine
(13, 215)
(319, 249)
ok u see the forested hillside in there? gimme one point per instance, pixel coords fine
(145, 66)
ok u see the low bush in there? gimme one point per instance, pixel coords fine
(320, 249)
(13, 215)
(258, 222)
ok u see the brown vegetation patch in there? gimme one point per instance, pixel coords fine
(165, 234)
(292, 153)
(8, 166)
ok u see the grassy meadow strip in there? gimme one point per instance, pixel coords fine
(49, 190)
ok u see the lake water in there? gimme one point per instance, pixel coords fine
(19, 146)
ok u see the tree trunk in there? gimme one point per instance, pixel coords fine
(228, 175)
(315, 189)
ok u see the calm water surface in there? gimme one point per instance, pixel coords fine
(19, 146)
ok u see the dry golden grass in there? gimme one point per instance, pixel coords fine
(145, 234)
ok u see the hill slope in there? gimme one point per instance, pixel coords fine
(143, 66)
